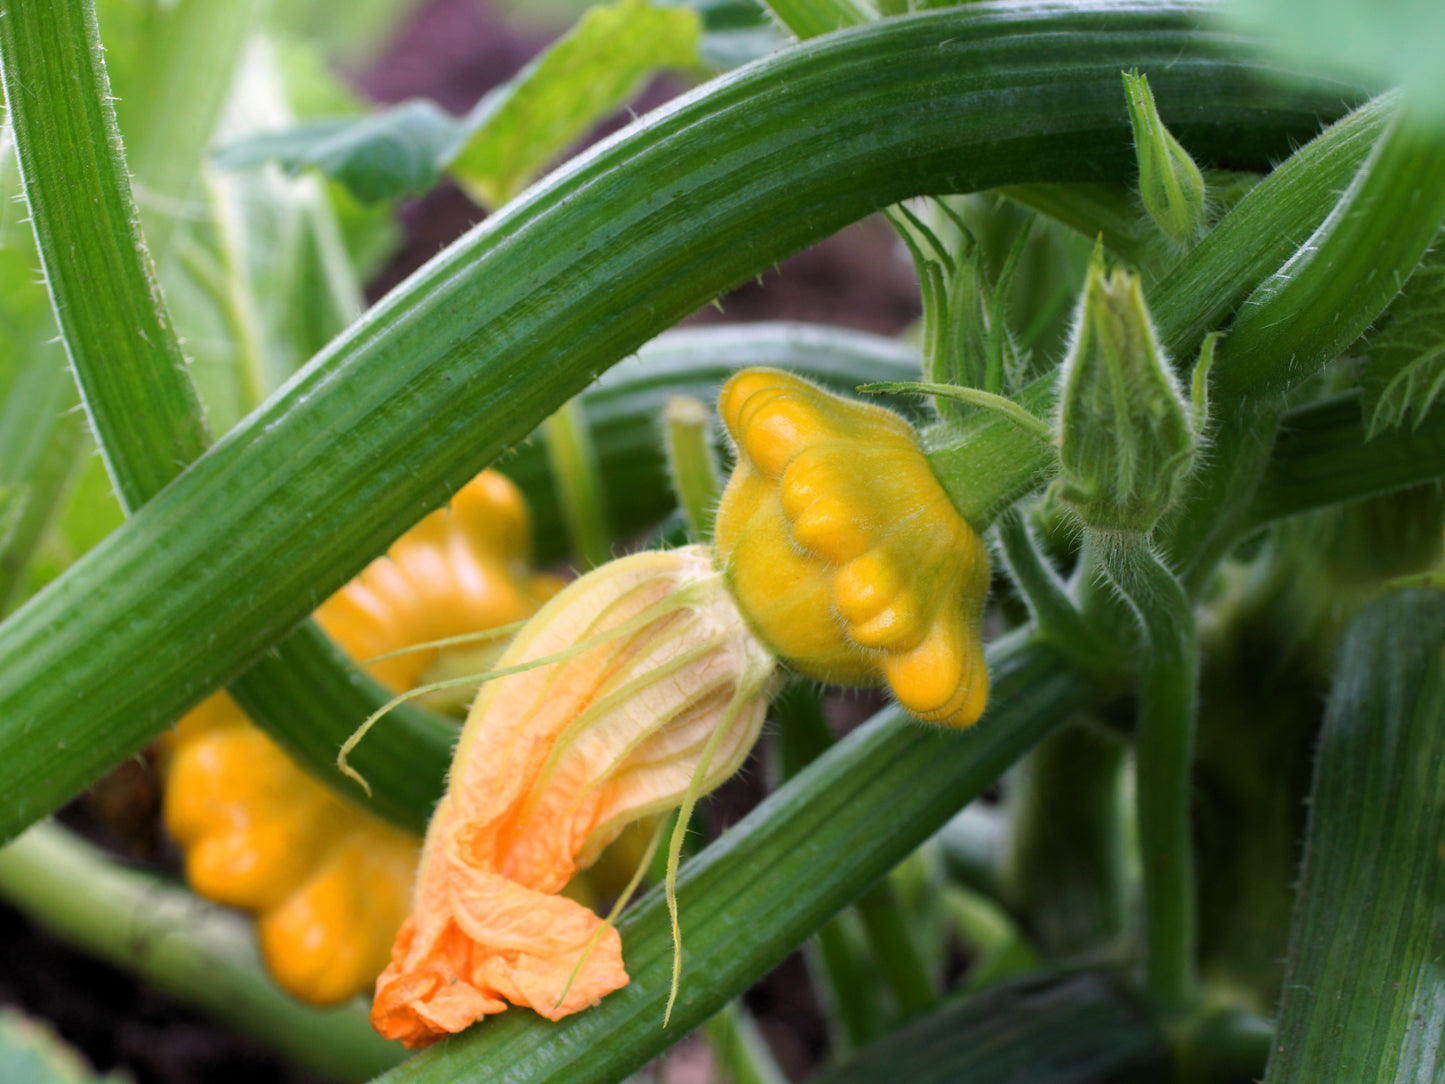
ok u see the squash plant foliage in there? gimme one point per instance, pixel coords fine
(1180, 364)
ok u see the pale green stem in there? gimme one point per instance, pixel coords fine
(201, 954)
(692, 462)
(1164, 750)
(573, 458)
(896, 950)
(1055, 613)
(739, 1048)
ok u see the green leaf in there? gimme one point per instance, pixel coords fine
(519, 128)
(1404, 371)
(397, 152)
(1364, 991)
(1050, 1029)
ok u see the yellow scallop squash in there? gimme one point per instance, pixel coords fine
(844, 551)
(329, 884)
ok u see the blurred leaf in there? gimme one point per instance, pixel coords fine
(398, 152)
(1080, 1029)
(32, 1053)
(1364, 993)
(262, 278)
(1405, 372)
(352, 31)
(1397, 43)
(517, 129)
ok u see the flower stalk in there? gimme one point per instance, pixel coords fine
(1164, 753)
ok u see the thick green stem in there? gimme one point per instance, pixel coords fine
(1215, 514)
(1345, 273)
(1056, 615)
(570, 451)
(132, 374)
(987, 462)
(1163, 751)
(895, 949)
(1322, 457)
(201, 954)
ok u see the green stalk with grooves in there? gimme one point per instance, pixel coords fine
(132, 373)
(465, 358)
(1164, 752)
(1365, 987)
(1345, 274)
(1318, 302)
(895, 951)
(143, 407)
(773, 879)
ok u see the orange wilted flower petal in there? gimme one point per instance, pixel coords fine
(626, 686)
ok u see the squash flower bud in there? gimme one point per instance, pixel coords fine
(845, 552)
(1125, 435)
(636, 686)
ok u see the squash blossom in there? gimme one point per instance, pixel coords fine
(633, 690)
(845, 552)
(328, 883)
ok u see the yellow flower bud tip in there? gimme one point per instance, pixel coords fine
(638, 686)
(843, 550)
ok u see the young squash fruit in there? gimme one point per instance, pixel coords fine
(328, 883)
(845, 552)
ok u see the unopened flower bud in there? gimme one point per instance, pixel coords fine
(1170, 184)
(1126, 441)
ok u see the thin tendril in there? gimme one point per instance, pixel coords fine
(744, 691)
(677, 600)
(480, 636)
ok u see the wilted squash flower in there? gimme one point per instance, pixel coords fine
(328, 883)
(636, 687)
(844, 551)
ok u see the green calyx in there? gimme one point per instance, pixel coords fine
(1126, 442)
(1170, 184)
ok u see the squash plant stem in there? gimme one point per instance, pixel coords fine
(1164, 749)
